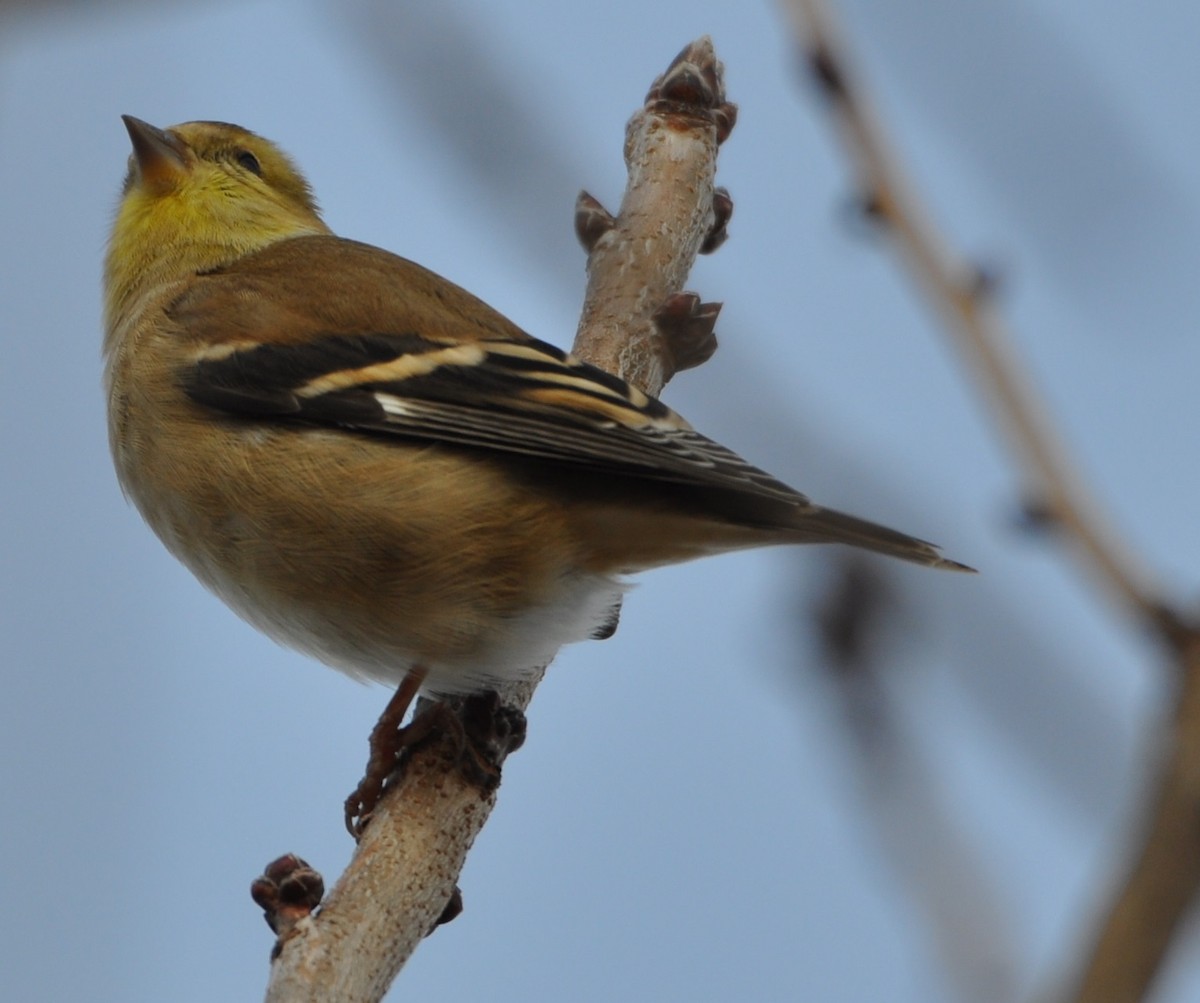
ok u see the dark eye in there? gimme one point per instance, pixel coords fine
(249, 161)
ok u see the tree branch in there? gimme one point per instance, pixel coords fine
(1134, 937)
(637, 323)
(960, 292)
(1164, 876)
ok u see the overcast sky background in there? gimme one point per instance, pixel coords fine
(699, 813)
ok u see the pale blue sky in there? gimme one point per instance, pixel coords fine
(690, 819)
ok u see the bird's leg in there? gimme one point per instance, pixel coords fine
(388, 740)
(480, 731)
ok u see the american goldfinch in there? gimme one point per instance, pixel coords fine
(371, 465)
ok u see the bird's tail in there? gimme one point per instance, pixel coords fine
(824, 525)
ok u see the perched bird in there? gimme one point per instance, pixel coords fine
(371, 465)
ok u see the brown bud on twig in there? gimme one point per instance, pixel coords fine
(984, 282)
(1037, 515)
(592, 221)
(825, 71)
(865, 213)
(288, 891)
(849, 615)
(454, 908)
(722, 206)
(725, 118)
(688, 330)
(693, 88)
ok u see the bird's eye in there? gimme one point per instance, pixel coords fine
(249, 161)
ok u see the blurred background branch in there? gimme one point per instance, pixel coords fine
(1139, 927)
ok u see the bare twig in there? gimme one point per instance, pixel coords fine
(404, 872)
(1165, 875)
(637, 264)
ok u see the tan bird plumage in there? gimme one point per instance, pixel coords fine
(370, 464)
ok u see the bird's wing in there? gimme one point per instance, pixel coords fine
(392, 363)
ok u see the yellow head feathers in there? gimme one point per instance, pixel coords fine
(198, 196)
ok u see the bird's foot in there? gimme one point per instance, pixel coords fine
(478, 730)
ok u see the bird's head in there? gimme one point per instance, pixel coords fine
(198, 196)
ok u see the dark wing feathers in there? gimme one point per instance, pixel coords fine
(285, 335)
(527, 398)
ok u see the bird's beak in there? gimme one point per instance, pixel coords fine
(162, 157)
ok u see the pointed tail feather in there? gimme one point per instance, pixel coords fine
(823, 525)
